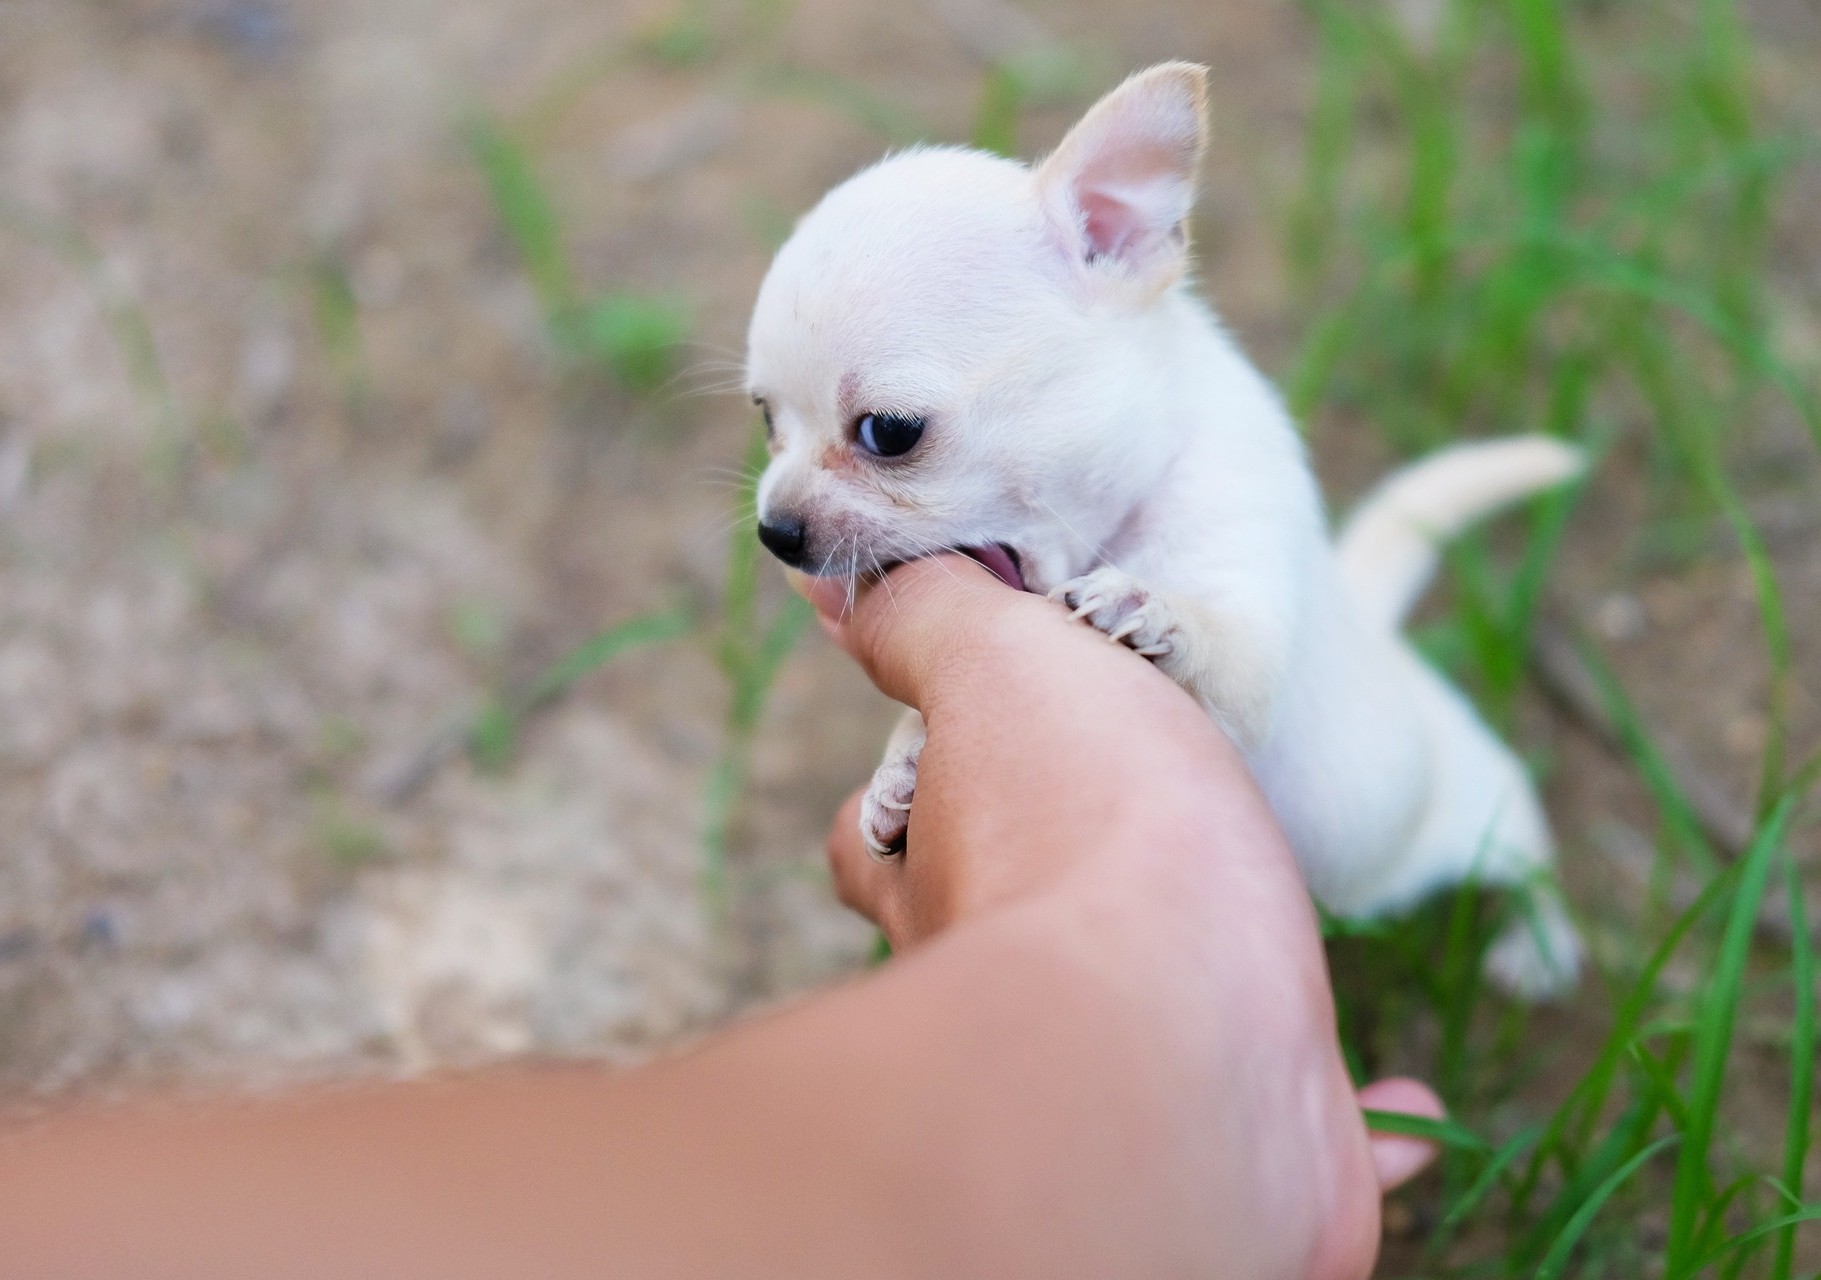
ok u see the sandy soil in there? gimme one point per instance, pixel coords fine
(223, 630)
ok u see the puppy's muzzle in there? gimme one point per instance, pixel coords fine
(785, 537)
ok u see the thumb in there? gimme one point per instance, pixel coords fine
(1397, 1157)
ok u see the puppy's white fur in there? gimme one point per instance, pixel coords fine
(1084, 410)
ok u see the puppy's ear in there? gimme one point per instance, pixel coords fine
(1120, 185)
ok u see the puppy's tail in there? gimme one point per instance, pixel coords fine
(1389, 547)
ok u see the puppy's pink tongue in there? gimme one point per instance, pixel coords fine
(1002, 563)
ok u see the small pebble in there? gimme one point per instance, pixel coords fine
(257, 28)
(1619, 617)
(98, 929)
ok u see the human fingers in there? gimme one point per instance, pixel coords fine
(925, 624)
(860, 879)
(833, 598)
(1397, 1157)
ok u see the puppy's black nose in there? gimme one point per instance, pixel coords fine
(785, 537)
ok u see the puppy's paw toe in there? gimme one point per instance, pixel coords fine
(1537, 958)
(1122, 609)
(885, 808)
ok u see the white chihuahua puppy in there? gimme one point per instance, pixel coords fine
(957, 351)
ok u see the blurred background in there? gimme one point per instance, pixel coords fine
(387, 679)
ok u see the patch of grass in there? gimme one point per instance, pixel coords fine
(1036, 77)
(1538, 215)
(639, 340)
(131, 328)
(222, 439)
(340, 738)
(684, 38)
(766, 221)
(636, 338)
(478, 628)
(749, 646)
(337, 313)
(493, 736)
(864, 106)
(346, 838)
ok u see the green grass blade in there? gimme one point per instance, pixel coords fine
(1589, 1097)
(1806, 778)
(1786, 1224)
(1618, 272)
(338, 323)
(996, 118)
(1713, 1043)
(1311, 223)
(1714, 1226)
(634, 633)
(878, 114)
(1802, 1048)
(1660, 1079)
(127, 322)
(529, 217)
(639, 338)
(493, 734)
(1557, 1257)
(781, 637)
(1481, 1187)
(1444, 1133)
(749, 654)
(740, 601)
(1647, 759)
(1624, 1138)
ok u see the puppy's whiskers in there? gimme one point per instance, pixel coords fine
(721, 471)
(922, 549)
(885, 580)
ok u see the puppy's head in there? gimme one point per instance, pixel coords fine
(948, 351)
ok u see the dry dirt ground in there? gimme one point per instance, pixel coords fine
(222, 629)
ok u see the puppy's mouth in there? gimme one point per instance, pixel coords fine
(1001, 561)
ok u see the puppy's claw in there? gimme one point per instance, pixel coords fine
(1122, 609)
(885, 808)
(1126, 628)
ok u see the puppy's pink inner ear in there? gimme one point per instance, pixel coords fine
(1124, 177)
(1109, 223)
(1125, 218)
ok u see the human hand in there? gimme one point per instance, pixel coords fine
(1066, 780)
(1108, 1050)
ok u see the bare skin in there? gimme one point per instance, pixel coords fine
(1106, 1047)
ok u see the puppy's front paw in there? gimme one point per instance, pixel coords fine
(885, 808)
(1122, 609)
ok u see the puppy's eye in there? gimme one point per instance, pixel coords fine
(888, 434)
(765, 411)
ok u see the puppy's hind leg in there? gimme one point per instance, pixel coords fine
(885, 808)
(1483, 824)
(1538, 955)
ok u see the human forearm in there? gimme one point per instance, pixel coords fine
(921, 1122)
